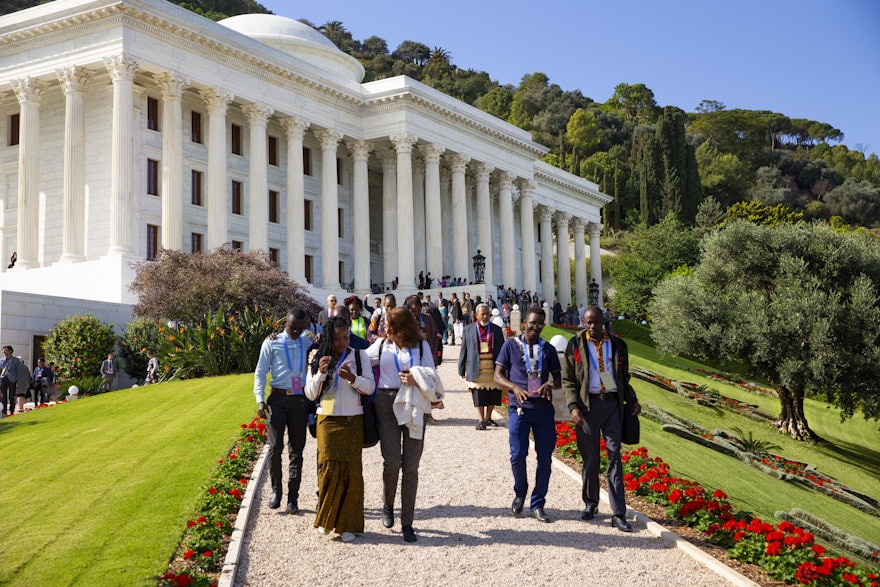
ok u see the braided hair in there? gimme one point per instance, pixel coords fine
(325, 349)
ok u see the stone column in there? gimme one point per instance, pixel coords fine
(563, 257)
(172, 85)
(360, 152)
(595, 256)
(389, 214)
(433, 210)
(258, 183)
(459, 216)
(217, 182)
(484, 218)
(73, 81)
(547, 285)
(507, 240)
(329, 139)
(582, 293)
(527, 228)
(295, 127)
(122, 167)
(419, 217)
(403, 144)
(446, 235)
(28, 91)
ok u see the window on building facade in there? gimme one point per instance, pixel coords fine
(152, 242)
(339, 171)
(235, 136)
(274, 206)
(340, 219)
(307, 214)
(236, 197)
(307, 161)
(342, 272)
(152, 113)
(237, 245)
(152, 177)
(273, 150)
(275, 255)
(196, 124)
(14, 124)
(197, 177)
(196, 242)
(309, 266)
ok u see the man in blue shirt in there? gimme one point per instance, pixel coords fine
(8, 379)
(524, 367)
(285, 357)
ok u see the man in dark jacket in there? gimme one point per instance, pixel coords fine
(595, 377)
(454, 314)
(480, 345)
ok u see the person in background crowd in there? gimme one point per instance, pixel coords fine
(467, 309)
(152, 368)
(524, 367)
(455, 315)
(480, 346)
(42, 379)
(108, 373)
(377, 324)
(286, 409)
(359, 325)
(325, 314)
(339, 376)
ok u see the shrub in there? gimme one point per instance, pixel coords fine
(89, 385)
(78, 344)
(140, 336)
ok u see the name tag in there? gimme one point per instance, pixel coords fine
(327, 404)
(296, 385)
(608, 381)
(534, 385)
(484, 347)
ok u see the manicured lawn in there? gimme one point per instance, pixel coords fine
(850, 454)
(98, 491)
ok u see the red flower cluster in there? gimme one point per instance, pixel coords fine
(181, 580)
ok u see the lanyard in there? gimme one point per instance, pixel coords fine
(302, 357)
(396, 362)
(526, 358)
(341, 362)
(488, 337)
(606, 348)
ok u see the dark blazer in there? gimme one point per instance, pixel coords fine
(576, 369)
(469, 357)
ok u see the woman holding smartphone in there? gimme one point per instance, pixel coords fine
(402, 349)
(336, 382)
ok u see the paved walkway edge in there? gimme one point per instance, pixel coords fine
(230, 565)
(708, 561)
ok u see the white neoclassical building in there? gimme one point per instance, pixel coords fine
(128, 126)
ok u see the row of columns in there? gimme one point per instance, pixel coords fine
(397, 193)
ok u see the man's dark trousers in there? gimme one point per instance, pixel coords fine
(603, 416)
(289, 412)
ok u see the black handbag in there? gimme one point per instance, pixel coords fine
(631, 427)
(368, 403)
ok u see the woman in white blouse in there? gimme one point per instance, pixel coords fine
(336, 381)
(402, 348)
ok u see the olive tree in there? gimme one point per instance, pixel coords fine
(797, 303)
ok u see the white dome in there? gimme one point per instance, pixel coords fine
(297, 39)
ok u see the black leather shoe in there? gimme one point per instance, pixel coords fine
(387, 516)
(292, 508)
(621, 524)
(409, 535)
(275, 502)
(516, 507)
(588, 514)
(538, 514)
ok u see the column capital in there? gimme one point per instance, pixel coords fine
(563, 218)
(257, 113)
(329, 138)
(578, 224)
(545, 213)
(359, 149)
(432, 152)
(595, 229)
(217, 99)
(121, 67)
(73, 79)
(418, 164)
(527, 187)
(483, 171)
(404, 142)
(28, 89)
(458, 162)
(505, 180)
(172, 83)
(294, 126)
(387, 158)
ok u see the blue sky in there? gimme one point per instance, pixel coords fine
(815, 59)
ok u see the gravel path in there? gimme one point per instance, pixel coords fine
(466, 536)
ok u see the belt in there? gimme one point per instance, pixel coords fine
(601, 397)
(280, 391)
(391, 389)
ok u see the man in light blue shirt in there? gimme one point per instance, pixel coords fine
(8, 379)
(285, 357)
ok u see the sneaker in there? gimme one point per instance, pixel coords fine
(480, 425)
(347, 537)
(321, 530)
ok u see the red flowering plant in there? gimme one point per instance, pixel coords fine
(566, 440)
